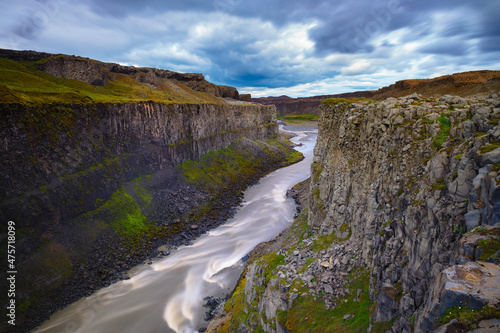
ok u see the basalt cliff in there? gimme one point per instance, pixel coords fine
(103, 163)
(398, 228)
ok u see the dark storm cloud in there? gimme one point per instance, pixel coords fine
(303, 46)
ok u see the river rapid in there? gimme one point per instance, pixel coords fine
(167, 296)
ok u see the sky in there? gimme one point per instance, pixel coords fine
(268, 47)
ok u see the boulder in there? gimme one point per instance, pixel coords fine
(473, 285)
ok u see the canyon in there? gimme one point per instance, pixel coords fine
(102, 164)
(108, 167)
(398, 230)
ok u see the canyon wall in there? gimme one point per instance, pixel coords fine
(102, 164)
(400, 232)
(54, 153)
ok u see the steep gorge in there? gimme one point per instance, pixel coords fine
(399, 229)
(103, 163)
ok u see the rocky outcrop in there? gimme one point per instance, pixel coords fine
(401, 221)
(409, 176)
(464, 84)
(99, 73)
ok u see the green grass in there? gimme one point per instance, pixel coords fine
(335, 101)
(310, 315)
(25, 83)
(439, 185)
(309, 261)
(489, 147)
(299, 117)
(488, 248)
(444, 132)
(270, 261)
(219, 169)
(469, 317)
(123, 209)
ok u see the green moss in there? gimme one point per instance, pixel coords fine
(317, 168)
(300, 117)
(488, 248)
(123, 210)
(219, 169)
(282, 317)
(458, 157)
(490, 147)
(344, 227)
(320, 320)
(335, 101)
(323, 242)
(295, 157)
(304, 267)
(439, 185)
(270, 261)
(479, 134)
(382, 326)
(444, 132)
(235, 306)
(469, 317)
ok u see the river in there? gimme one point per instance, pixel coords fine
(167, 296)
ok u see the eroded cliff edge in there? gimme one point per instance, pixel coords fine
(401, 227)
(103, 163)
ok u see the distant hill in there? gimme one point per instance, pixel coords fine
(464, 84)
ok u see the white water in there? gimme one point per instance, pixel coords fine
(167, 296)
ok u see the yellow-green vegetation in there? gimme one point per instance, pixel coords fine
(469, 317)
(123, 211)
(382, 326)
(439, 185)
(489, 147)
(317, 168)
(219, 169)
(309, 261)
(488, 248)
(323, 242)
(235, 305)
(23, 82)
(310, 315)
(344, 227)
(444, 132)
(270, 261)
(335, 101)
(294, 156)
(297, 118)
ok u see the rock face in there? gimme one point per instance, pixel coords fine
(472, 285)
(403, 193)
(409, 176)
(52, 152)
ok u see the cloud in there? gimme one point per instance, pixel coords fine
(268, 47)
